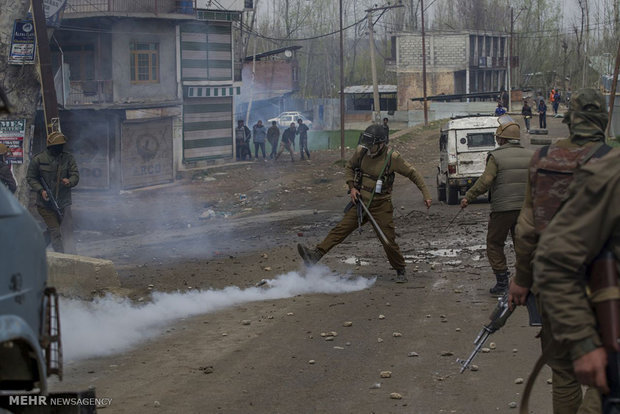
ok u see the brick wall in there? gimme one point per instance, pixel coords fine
(410, 86)
(443, 51)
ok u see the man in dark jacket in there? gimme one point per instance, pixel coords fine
(6, 176)
(542, 114)
(242, 140)
(59, 171)
(302, 130)
(288, 141)
(273, 135)
(526, 111)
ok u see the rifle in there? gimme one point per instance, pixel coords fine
(52, 200)
(498, 318)
(603, 285)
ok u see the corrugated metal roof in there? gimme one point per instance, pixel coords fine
(368, 89)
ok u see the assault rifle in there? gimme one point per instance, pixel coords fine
(603, 284)
(498, 318)
(51, 199)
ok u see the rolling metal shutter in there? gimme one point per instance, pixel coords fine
(207, 127)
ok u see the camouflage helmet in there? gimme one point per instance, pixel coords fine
(3, 149)
(508, 128)
(56, 138)
(374, 134)
(587, 116)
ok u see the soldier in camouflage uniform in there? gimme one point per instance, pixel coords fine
(550, 174)
(60, 172)
(6, 176)
(586, 223)
(373, 160)
(504, 178)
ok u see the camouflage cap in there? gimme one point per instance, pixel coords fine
(56, 138)
(587, 116)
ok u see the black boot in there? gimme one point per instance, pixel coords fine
(400, 276)
(310, 256)
(501, 286)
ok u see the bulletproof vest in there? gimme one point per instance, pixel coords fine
(372, 168)
(551, 172)
(508, 189)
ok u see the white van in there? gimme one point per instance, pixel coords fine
(463, 147)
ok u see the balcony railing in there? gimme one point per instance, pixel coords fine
(90, 92)
(129, 6)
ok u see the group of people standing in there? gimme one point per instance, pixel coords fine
(260, 134)
(541, 107)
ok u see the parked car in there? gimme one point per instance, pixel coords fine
(285, 118)
(464, 143)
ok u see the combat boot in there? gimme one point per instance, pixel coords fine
(400, 276)
(501, 286)
(310, 256)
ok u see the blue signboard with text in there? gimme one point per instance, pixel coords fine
(22, 43)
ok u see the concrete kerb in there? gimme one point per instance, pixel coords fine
(80, 276)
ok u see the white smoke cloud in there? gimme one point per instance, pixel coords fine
(112, 324)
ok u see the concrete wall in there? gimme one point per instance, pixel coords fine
(444, 110)
(162, 32)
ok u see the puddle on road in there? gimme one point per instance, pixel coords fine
(355, 261)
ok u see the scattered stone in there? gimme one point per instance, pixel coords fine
(444, 320)
(267, 269)
(375, 386)
(493, 345)
(207, 370)
(264, 255)
(512, 405)
(379, 340)
(332, 333)
(515, 350)
(447, 353)
(397, 334)
(381, 316)
(474, 368)
(386, 374)
(348, 343)
(156, 404)
(519, 381)
(413, 354)
(329, 338)
(485, 350)
(246, 322)
(396, 396)
(458, 329)
(442, 316)
(261, 283)
(312, 362)
(338, 347)
(290, 314)
(347, 324)
(549, 381)
(388, 304)
(315, 212)
(428, 316)
(458, 291)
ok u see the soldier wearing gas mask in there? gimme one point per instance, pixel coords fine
(56, 169)
(370, 176)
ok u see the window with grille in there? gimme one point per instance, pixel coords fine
(144, 62)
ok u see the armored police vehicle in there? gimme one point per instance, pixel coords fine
(464, 143)
(30, 348)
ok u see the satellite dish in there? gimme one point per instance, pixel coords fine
(288, 53)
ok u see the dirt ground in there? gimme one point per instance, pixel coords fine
(235, 225)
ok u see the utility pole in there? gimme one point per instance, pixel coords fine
(612, 96)
(341, 86)
(48, 91)
(510, 62)
(376, 118)
(424, 65)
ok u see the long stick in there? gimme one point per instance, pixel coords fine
(373, 222)
(452, 221)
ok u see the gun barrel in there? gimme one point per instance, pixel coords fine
(480, 340)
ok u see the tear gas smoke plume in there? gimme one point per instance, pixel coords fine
(111, 324)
